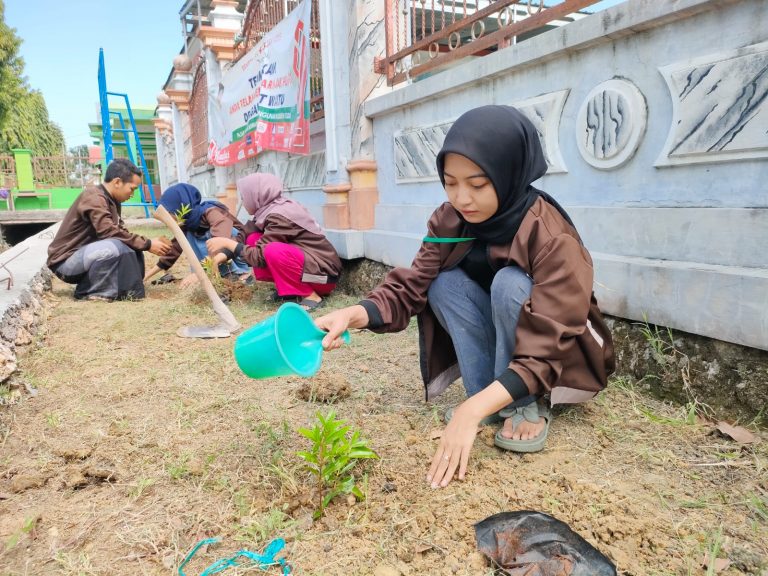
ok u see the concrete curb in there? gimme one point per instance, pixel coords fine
(22, 311)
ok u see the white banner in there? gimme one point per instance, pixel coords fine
(262, 101)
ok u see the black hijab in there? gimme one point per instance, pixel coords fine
(506, 146)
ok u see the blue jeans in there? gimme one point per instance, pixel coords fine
(234, 266)
(481, 325)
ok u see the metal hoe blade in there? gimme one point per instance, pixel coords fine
(219, 331)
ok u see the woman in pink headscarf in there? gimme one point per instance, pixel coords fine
(284, 243)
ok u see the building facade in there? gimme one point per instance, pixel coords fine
(652, 116)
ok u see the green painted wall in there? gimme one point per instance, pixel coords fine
(61, 199)
(24, 177)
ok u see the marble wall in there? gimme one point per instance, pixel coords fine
(719, 105)
(366, 41)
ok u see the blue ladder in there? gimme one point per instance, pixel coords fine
(107, 131)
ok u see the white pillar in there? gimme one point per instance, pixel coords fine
(333, 34)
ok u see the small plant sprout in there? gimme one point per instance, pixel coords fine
(140, 488)
(332, 458)
(181, 214)
(209, 266)
(657, 340)
(212, 271)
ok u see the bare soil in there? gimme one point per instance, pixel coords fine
(139, 444)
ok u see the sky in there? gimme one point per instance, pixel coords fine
(61, 41)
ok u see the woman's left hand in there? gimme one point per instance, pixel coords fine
(217, 243)
(453, 451)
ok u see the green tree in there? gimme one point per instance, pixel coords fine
(24, 121)
(11, 67)
(28, 126)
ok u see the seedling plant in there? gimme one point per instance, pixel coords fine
(181, 214)
(332, 457)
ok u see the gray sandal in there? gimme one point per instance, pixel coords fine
(491, 419)
(532, 412)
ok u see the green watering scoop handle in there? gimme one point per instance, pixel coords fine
(435, 240)
(345, 337)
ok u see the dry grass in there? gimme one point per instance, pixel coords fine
(139, 444)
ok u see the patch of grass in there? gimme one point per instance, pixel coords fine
(184, 415)
(242, 502)
(731, 455)
(693, 504)
(52, 420)
(26, 528)
(687, 417)
(150, 231)
(622, 383)
(661, 343)
(272, 438)
(140, 488)
(271, 525)
(75, 564)
(553, 505)
(178, 469)
(758, 505)
(286, 476)
(714, 545)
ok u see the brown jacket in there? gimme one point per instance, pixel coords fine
(219, 221)
(322, 264)
(563, 344)
(93, 216)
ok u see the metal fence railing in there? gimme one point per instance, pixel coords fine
(422, 35)
(198, 115)
(7, 172)
(60, 171)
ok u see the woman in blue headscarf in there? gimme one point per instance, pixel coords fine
(201, 220)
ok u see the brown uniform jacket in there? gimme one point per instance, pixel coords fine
(322, 264)
(216, 219)
(563, 345)
(93, 216)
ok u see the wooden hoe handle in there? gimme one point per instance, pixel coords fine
(224, 314)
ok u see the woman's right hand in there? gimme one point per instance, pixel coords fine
(336, 322)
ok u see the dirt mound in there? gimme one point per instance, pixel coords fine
(326, 388)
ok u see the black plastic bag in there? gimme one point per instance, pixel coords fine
(528, 543)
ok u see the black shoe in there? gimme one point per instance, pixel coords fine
(311, 305)
(275, 297)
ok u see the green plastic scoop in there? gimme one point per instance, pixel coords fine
(288, 342)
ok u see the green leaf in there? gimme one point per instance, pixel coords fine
(358, 493)
(363, 453)
(330, 496)
(309, 434)
(308, 456)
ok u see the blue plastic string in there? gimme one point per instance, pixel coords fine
(261, 561)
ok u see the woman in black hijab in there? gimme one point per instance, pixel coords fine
(502, 287)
